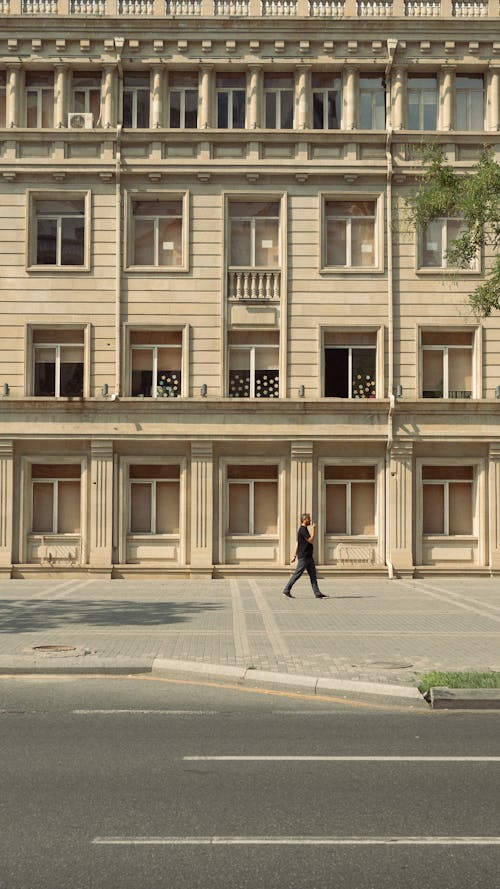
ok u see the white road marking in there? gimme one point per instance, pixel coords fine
(297, 841)
(325, 758)
(142, 712)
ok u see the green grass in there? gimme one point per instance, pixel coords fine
(458, 680)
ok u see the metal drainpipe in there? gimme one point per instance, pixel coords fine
(391, 51)
(118, 226)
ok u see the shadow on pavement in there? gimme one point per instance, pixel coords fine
(26, 616)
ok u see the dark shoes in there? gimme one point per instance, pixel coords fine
(288, 594)
(321, 596)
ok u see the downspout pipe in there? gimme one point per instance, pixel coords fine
(392, 46)
(118, 218)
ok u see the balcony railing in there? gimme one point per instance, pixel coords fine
(422, 8)
(87, 7)
(254, 285)
(280, 9)
(183, 7)
(135, 7)
(467, 9)
(374, 8)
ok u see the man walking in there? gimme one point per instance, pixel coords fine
(304, 555)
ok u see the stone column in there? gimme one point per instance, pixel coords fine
(349, 121)
(254, 97)
(101, 504)
(206, 89)
(398, 98)
(14, 89)
(494, 505)
(301, 488)
(6, 504)
(60, 96)
(493, 98)
(400, 508)
(303, 91)
(202, 507)
(157, 97)
(446, 94)
(108, 100)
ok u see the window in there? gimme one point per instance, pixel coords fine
(350, 234)
(253, 364)
(183, 90)
(86, 88)
(327, 101)
(372, 103)
(59, 232)
(58, 363)
(55, 504)
(422, 102)
(350, 500)
(3, 99)
(154, 499)
(350, 364)
(254, 234)
(231, 99)
(156, 365)
(253, 499)
(469, 102)
(279, 101)
(435, 242)
(448, 497)
(446, 364)
(136, 90)
(157, 238)
(39, 99)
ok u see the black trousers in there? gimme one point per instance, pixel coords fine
(308, 565)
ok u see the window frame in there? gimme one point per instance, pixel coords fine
(155, 195)
(444, 268)
(377, 539)
(182, 90)
(134, 91)
(230, 91)
(421, 105)
(129, 329)
(378, 332)
(470, 94)
(372, 92)
(277, 91)
(86, 91)
(252, 348)
(476, 358)
(39, 90)
(3, 98)
(324, 91)
(30, 345)
(33, 196)
(378, 233)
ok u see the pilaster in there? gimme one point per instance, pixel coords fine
(60, 96)
(206, 90)
(494, 505)
(350, 92)
(493, 98)
(201, 505)
(255, 94)
(400, 507)
(6, 502)
(398, 98)
(157, 97)
(14, 89)
(108, 97)
(301, 483)
(446, 91)
(302, 95)
(101, 503)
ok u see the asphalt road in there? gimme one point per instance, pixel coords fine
(153, 784)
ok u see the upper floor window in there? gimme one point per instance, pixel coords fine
(136, 101)
(157, 233)
(253, 364)
(279, 101)
(447, 364)
(371, 103)
(39, 99)
(349, 233)
(350, 364)
(3, 99)
(435, 242)
(231, 100)
(448, 500)
(254, 234)
(422, 95)
(156, 363)
(183, 93)
(469, 102)
(327, 101)
(252, 499)
(86, 92)
(58, 363)
(59, 232)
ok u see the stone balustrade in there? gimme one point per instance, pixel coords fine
(135, 7)
(39, 7)
(279, 7)
(371, 8)
(327, 9)
(254, 285)
(470, 8)
(422, 8)
(229, 8)
(88, 7)
(183, 7)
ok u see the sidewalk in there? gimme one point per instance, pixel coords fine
(371, 630)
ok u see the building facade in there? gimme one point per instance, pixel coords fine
(214, 311)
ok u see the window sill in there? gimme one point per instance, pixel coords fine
(352, 270)
(58, 269)
(448, 271)
(156, 269)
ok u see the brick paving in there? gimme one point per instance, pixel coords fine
(374, 630)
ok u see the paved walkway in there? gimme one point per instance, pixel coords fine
(373, 630)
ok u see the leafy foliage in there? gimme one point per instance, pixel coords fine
(475, 198)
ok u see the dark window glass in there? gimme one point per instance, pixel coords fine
(222, 110)
(46, 242)
(72, 241)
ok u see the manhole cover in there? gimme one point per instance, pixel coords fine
(54, 648)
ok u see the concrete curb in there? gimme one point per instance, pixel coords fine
(71, 664)
(443, 698)
(313, 684)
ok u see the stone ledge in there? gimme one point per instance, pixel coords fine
(442, 698)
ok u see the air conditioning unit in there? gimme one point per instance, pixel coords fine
(77, 121)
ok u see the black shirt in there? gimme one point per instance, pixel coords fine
(304, 548)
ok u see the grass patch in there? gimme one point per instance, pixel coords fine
(458, 680)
